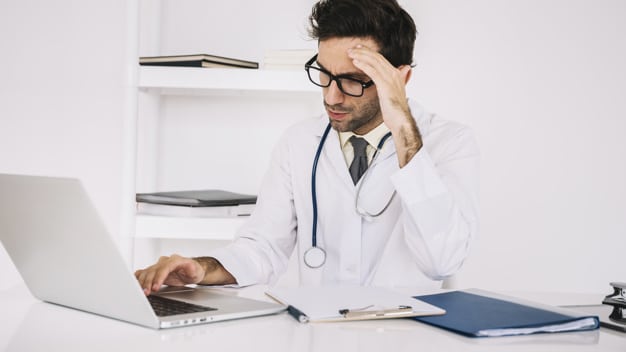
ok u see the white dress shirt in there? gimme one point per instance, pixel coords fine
(423, 237)
(372, 137)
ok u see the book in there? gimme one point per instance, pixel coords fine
(194, 211)
(349, 303)
(197, 198)
(287, 59)
(197, 60)
(477, 313)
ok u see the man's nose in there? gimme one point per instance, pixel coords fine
(333, 94)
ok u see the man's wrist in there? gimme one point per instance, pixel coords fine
(408, 142)
(205, 263)
(214, 272)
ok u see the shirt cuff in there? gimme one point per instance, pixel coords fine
(234, 261)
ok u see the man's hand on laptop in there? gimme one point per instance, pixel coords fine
(179, 271)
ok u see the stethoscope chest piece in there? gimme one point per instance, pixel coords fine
(314, 257)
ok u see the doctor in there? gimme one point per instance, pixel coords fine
(401, 213)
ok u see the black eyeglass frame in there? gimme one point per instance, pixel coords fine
(337, 78)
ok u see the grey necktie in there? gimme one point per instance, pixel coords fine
(359, 163)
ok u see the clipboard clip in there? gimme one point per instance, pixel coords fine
(618, 301)
(398, 311)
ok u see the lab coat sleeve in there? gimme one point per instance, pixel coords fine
(439, 193)
(262, 247)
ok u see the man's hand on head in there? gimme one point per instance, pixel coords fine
(390, 83)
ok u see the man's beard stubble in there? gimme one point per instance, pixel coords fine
(362, 120)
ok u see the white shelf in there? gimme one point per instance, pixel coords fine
(149, 226)
(159, 81)
(201, 81)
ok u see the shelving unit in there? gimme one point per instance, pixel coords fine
(158, 83)
(149, 226)
(202, 81)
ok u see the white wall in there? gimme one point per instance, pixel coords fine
(542, 84)
(64, 97)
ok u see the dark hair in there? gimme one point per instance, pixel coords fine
(391, 27)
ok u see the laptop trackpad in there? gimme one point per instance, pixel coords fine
(221, 301)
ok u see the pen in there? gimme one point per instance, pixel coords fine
(398, 311)
(297, 314)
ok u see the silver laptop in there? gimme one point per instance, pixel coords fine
(65, 255)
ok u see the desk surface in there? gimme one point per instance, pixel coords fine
(31, 325)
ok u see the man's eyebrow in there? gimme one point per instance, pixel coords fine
(356, 75)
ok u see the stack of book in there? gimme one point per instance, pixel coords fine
(196, 203)
(287, 59)
(197, 60)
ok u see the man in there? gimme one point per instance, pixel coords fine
(407, 221)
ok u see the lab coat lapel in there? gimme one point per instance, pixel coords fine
(389, 149)
(332, 155)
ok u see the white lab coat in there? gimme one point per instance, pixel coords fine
(423, 237)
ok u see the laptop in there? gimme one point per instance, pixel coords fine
(61, 248)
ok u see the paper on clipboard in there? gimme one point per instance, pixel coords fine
(322, 304)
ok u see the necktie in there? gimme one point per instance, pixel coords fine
(359, 163)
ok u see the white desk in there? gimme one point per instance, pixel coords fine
(31, 325)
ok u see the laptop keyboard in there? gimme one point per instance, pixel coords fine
(165, 307)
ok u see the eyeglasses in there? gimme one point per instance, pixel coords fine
(346, 84)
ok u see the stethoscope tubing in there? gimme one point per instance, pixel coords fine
(313, 187)
(313, 179)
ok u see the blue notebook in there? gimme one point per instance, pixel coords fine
(483, 315)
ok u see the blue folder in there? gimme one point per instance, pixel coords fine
(477, 315)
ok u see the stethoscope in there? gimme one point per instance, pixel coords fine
(315, 256)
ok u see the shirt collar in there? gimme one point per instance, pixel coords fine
(372, 137)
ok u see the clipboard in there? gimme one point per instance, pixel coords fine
(349, 303)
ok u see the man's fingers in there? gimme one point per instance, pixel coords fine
(174, 270)
(141, 278)
(369, 61)
(152, 277)
(160, 277)
(149, 283)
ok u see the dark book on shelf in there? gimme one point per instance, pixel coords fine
(197, 198)
(197, 60)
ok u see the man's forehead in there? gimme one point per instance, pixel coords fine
(333, 53)
(348, 42)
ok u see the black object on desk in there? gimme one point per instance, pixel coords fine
(297, 314)
(617, 300)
